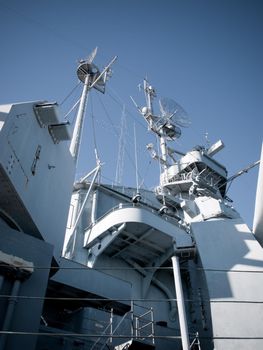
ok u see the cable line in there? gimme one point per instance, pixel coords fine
(105, 268)
(93, 133)
(155, 300)
(70, 93)
(116, 134)
(125, 336)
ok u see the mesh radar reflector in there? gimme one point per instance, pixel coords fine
(173, 116)
(171, 110)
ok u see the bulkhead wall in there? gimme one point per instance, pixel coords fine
(232, 260)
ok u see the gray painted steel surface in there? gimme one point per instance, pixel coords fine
(28, 309)
(37, 175)
(232, 260)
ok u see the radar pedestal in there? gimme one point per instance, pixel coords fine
(167, 125)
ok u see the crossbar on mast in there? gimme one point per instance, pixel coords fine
(90, 75)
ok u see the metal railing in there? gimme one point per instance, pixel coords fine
(141, 327)
(110, 328)
(121, 206)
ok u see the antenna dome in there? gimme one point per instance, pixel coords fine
(145, 110)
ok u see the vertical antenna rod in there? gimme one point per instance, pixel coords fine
(121, 150)
(90, 75)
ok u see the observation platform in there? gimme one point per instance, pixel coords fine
(135, 234)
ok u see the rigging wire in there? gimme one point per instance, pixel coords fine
(43, 25)
(124, 336)
(108, 179)
(70, 93)
(130, 71)
(138, 122)
(239, 173)
(121, 103)
(85, 335)
(136, 160)
(37, 22)
(142, 125)
(121, 148)
(93, 132)
(48, 29)
(145, 173)
(154, 300)
(160, 167)
(228, 187)
(61, 36)
(105, 268)
(71, 109)
(116, 134)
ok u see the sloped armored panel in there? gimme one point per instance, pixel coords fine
(12, 206)
(233, 265)
(89, 283)
(37, 173)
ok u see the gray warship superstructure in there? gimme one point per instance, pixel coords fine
(87, 265)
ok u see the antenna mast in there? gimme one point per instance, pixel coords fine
(166, 124)
(150, 94)
(90, 75)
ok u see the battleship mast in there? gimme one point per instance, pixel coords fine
(90, 75)
(165, 126)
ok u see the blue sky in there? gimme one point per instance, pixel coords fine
(207, 55)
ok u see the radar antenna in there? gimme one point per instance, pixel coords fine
(167, 124)
(91, 76)
(172, 111)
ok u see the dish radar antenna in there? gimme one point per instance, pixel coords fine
(167, 125)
